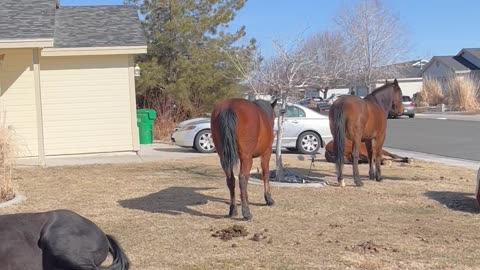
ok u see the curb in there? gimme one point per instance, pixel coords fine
(470, 164)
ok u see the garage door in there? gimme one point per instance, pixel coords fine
(86, 104)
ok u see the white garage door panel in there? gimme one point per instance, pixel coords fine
(86, 105)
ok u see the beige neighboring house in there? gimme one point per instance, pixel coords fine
(67, 77)
(408, 76)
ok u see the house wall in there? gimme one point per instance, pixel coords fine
(436, 70)
(86, 104)
(17, 99)
(409, 87)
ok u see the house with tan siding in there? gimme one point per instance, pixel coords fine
(67, 81)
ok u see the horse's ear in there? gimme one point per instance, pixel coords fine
(274, 103)
(386, 81)
(395, 82)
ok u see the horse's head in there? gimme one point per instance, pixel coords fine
(397, 105)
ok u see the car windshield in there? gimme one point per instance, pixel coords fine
(406, 98)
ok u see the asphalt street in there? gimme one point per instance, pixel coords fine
(449, 138)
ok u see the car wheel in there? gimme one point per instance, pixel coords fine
(411, 115)
(293, 149)
(204, 142)
(308, 143)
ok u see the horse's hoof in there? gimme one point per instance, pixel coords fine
(246, 214)
(359, 183)
(379, 179)
(341, 183)
(233, 211)
(269, 200)
(371, 177)
(247, 218)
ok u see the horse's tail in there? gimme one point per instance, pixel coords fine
(120, 260)
(339, 138)
(227, 123)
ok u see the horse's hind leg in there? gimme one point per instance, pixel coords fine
(355, 153)
(371, 172)
(265, 162)
(245, 167)
(378, 157)
(231, 187)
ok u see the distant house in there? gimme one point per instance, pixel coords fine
(67, 81)
(408, 75)
(466, 62)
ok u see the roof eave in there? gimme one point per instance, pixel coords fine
(80, 51)
(26, 43)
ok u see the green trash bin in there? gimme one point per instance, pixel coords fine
(145, 121)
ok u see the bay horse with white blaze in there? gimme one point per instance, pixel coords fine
(363, 120)
(56, 240)
(243, 130)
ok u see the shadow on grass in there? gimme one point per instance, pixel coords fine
(174, 201)
(457, 201)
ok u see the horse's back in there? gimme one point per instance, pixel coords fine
(254, 129)
(360, 114)
(74, 239)
(19, 236)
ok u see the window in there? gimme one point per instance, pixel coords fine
(293, 111)
(406, 98)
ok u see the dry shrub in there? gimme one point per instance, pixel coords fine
(7, 164)
(462, 94)
(167, 115)
(431, 94)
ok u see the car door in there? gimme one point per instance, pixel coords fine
(293, 125)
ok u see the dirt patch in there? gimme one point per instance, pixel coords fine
(370, 247)
(231, 232)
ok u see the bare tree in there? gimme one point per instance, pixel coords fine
(374, 39)
(329, 51)
(287, 72)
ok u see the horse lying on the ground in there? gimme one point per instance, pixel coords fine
(363, 154)
(54, 240)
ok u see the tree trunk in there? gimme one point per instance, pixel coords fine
(278, 151)
(325, 92)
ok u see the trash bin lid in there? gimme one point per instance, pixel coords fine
(148, 113)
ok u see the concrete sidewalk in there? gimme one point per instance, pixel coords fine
(147, 153)
(462, 116)
(470, 164)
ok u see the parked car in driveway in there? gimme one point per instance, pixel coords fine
(408, 108)
(305, 131)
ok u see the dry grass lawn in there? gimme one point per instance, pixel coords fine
(422, 217)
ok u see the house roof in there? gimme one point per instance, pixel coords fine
(474, 51)
(70, 27)
(404, 70)
(456, 63)
(98, 26)
(27, 19)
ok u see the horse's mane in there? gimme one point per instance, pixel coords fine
(382, 97)
(265, 106)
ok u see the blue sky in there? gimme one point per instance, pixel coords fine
(434, 27)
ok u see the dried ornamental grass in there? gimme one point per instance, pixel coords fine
(462, 94)
(7, 164)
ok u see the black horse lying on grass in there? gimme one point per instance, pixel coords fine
(56, 240)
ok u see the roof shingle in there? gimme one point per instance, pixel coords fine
(27, 19)
(98, 26)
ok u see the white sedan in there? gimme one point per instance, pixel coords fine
(304, 130)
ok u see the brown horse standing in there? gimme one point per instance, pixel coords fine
(363, 120)
(243, 130)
